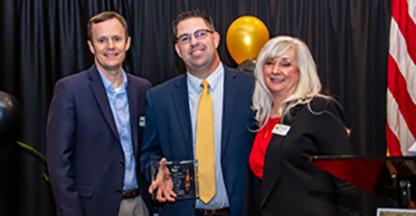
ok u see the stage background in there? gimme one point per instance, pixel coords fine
(42, 41)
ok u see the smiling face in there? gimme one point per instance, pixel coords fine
(281, 74)
(199, 54)
(109, 44)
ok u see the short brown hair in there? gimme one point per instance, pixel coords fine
(104, 16)
(192, 14)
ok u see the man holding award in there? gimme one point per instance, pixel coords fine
(197, 128)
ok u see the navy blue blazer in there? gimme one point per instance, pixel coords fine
(85, 157)
(168, 134)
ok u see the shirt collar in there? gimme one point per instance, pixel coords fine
(109, 87)
(213, 79)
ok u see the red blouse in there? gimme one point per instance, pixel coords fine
(261, 142)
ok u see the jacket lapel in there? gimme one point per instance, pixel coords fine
(98, 90)
(274, 160)
(180, 100)
(132, 98)
(230, 96)
(274, 174)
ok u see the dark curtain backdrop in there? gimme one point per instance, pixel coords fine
(42, 41)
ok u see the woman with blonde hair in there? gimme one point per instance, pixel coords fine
(295, 122)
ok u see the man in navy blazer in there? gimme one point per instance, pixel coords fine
(94, 130)
(171, 120)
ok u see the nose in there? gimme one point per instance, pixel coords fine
(276, 69)
(192, 41)
(110, 44)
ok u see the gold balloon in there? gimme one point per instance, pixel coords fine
(245, 37)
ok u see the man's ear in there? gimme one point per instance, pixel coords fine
(217, 39)
(178, 51)
(91, 46)
(128, 43)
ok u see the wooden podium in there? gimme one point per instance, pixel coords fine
(393, 177)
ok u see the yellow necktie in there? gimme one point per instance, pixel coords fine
(205, 145)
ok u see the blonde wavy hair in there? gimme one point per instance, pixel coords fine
(308, 85)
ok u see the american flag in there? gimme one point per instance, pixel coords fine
(401, 80)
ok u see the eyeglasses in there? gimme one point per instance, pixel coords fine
(198, 34)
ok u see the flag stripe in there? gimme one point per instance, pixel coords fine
(398, 125)
(401, 80)
(397, 87)
(406, 66)
(394, 147)
(412, 10)
(400, 13)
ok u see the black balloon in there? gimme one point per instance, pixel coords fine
(247, 65)
(9, 120)
(9, 115)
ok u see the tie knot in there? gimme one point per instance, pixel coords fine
(205, 85)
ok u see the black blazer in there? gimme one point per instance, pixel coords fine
(291, 185)
(85, 157)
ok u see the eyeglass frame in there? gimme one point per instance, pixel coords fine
(195, 34)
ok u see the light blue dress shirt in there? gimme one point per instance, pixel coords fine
(216, 89)
(120, 108)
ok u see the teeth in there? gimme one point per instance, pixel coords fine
(196, 52)
(277, 79)
(111, 54)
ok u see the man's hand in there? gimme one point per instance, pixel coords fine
(163, 184)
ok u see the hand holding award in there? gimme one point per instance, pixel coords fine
(162, 182)
(173, 180)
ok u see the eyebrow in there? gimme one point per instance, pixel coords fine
(184, 34)
(280, 58)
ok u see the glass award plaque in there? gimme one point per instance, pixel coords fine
(180, 176)
(395, 212)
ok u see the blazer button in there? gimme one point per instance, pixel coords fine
(121, 164)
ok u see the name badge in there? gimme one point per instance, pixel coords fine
(142, 121)
(281, 129)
